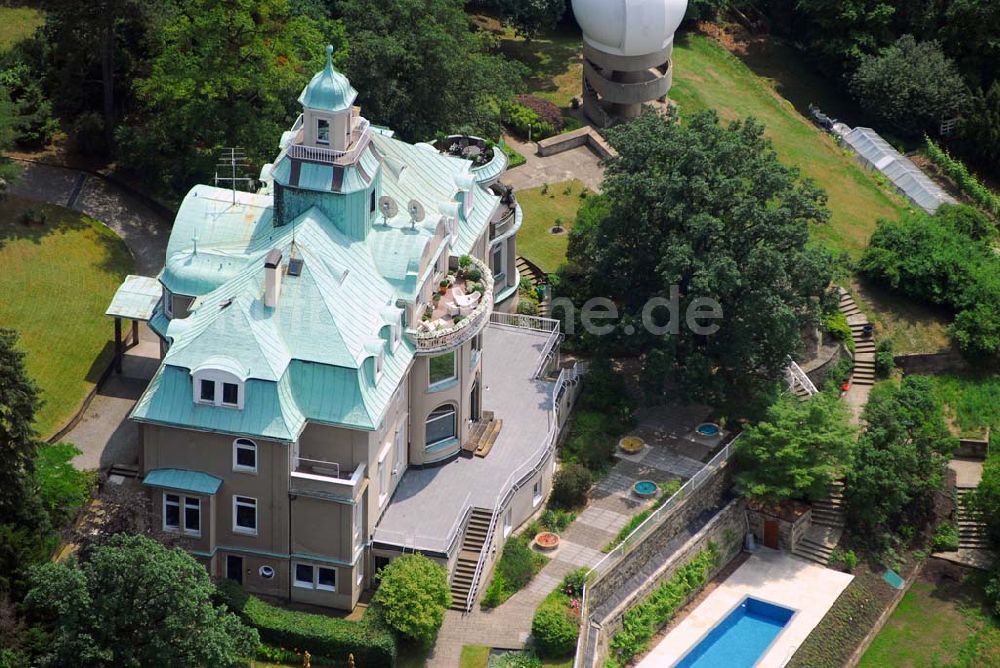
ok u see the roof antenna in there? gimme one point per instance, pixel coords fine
(233, 158)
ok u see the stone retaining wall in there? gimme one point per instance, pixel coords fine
(790, 532)
(726, 529)
(585, 136)
(932, 363)
(973, 448)
(710, 495)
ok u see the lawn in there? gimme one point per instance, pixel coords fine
(57, 280)
(708, 76)
(478, 656)
(972, 401)
(16, 23)
(912, 326)
(936, 625)
(542, 207)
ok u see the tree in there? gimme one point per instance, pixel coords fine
(707, 213)
(8, 170)
(898, 462)
(981, 128)
(412, 596)
(136, 603)
(419, 69)
(222, 74)
(911, 85)
(18, 442)
(530, 17)
(797, 451)
(986, 497)
(840, 32)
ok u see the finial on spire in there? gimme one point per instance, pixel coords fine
(329, 55)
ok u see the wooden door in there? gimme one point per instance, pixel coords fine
(771, 534)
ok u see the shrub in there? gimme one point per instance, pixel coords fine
(885, 362)
(517, 565)
(521, 120)
(87, 134)
(556, 520)
(527, 307)
(850, 560)
(412, 596)
(945, 537)
(570, 486)
(573, 582)
(553, 628)
(62, 488)
(642, 621)
(546, 111)
(836, 323)
(369, 640)
(518, 660)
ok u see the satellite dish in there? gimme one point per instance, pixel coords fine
(416, 210)
(388, 207)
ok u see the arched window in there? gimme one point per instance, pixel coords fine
(441, 425)
(244, 455)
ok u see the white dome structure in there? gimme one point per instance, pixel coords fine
(627, 51)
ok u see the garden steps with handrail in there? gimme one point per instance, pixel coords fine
(473, 543)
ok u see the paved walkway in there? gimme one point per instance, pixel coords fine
(143, 229)
(612, 505)
(104, 434)
(577, 163)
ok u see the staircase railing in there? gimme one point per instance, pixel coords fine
(517, 478)
(795, 374)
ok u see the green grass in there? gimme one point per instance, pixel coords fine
(57, 281)
(936, 625)
(913, 327)
(542, 207)
(708, 76)
(474, 656)
(16, 23)
(514, 158)
(972, 401)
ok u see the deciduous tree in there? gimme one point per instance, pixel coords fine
(412, 596)
(136, 603)
(797, 451)
(706, 211)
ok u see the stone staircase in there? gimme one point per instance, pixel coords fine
(484, 434)
(468, 556)
(864, 346)
(821, 538)
(532, 276)
(971, 528)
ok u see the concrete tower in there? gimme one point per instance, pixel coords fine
(627, 49)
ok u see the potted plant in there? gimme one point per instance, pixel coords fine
(443, 287)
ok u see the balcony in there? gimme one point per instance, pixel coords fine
(450, 319)
(323, 479)
(360, 138)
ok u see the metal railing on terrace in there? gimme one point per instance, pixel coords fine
(413, 541)
(463, 330)
(360, 137)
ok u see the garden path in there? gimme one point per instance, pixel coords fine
(611, 506)
(577, 163)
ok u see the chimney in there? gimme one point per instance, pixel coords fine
(272, 278)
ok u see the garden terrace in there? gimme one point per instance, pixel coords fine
(455, 315)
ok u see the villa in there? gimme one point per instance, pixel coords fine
(339, 383)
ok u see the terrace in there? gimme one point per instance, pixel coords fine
(315, 477)
(457, 311)
(292, 140)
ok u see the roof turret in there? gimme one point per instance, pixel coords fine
(329, 90)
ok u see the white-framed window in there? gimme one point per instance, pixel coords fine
(182, 514)
(399, 458)
(217, 388)
(244, 455)
(266, 572)
(441, 369)
(308, 576)
(322, 131)
(441, 425)
(536, 493)
(359, 524)
(498, 259)
(245, 514)
(508, 525)
(383, 481)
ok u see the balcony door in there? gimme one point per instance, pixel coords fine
(234, 568)
(474, 410)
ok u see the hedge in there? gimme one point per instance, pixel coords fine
(642, 621)
(369, 640)
(967, 183)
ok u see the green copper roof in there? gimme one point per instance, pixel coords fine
(329, 90)
(181, 480)
(136, 298)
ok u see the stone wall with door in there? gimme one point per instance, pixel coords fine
(778, 526)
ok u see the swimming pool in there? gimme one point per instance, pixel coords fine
(739, 640)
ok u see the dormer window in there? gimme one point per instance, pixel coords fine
(322, 131)
(219, 382)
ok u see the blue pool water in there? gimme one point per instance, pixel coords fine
(708, 429)
(741, 638)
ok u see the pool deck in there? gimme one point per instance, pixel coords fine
(768, 575)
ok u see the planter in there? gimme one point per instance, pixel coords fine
(645, 489)
(546, 541)
(631, 444)
(708, 429)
